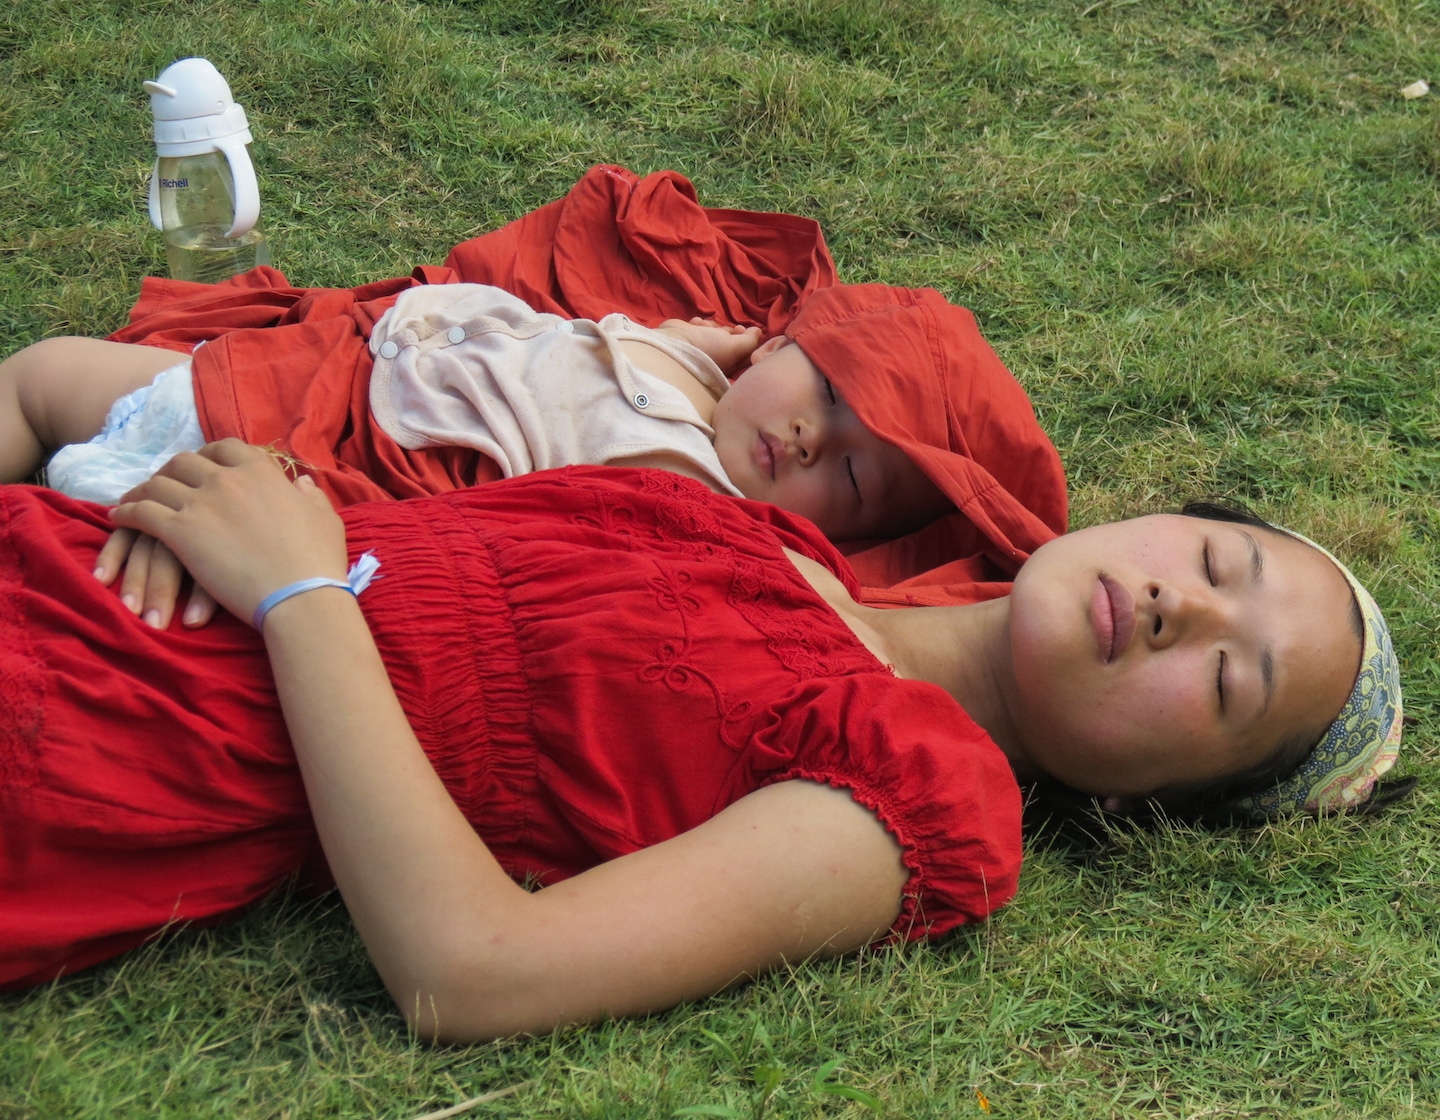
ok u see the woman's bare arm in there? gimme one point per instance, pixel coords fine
(788, 872)
(466, 953)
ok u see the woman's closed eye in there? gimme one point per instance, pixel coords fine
(1207, 561)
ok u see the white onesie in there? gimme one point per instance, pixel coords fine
(472, 365)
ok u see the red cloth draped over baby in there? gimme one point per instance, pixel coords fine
(290, 368)
(918, 374)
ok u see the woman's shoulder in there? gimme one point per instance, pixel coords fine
(909, 753)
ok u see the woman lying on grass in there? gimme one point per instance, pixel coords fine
(663, 704)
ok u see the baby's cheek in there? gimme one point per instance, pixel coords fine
(798, 494)
(733, 463)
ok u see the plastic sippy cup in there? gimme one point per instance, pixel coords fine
(203, 193)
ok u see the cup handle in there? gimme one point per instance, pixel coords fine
(155, 197)
(247, 190)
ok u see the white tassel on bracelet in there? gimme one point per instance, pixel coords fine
(356, 580)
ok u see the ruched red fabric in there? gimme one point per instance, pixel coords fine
(594, 661)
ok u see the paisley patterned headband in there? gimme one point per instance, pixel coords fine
(1362, 743)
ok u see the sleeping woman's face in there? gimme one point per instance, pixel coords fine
(1160, 653)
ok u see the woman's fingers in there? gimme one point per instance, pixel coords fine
(112, 556)
(190, 470)
(237, 523)
(313, 494)
(200, 608)
(151, 586)
(153, 577)
(180, 481)
(219, 513)
(163, 490)
(137, 572)
(162, 587)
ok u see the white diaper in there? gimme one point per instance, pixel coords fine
(143, 431)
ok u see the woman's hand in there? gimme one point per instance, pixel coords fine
(151, 584)
(237, 524)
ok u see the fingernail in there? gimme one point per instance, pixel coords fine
(131, 603)
(152, 619)
(99, 573)
(192, 615)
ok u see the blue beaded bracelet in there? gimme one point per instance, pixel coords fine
(356, 580)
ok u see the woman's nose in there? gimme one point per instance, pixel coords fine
(1172, 614)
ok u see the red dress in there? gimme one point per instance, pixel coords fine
(146, 777)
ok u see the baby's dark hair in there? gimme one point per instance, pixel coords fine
(1212, 803)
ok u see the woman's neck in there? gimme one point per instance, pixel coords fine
(965, 649)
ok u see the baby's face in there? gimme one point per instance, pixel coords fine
(785, 436)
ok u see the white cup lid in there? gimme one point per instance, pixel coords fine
(192, 107)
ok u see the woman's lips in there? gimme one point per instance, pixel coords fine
(1112, 610)
(765, 455)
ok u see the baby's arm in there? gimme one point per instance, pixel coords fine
(727, 347)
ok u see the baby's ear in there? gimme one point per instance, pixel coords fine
(768, 347)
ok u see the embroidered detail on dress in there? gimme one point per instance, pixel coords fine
(684, 514)
(671, 667)
(610, 519)
(759, 590)
(753, 595)
(22, 681)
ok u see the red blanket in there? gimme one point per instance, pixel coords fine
(290, 368)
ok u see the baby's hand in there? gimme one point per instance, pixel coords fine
(727, 347)
(153, 575)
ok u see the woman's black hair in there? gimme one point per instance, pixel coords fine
(1050, 805)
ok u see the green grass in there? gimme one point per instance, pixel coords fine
(1204, 236)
